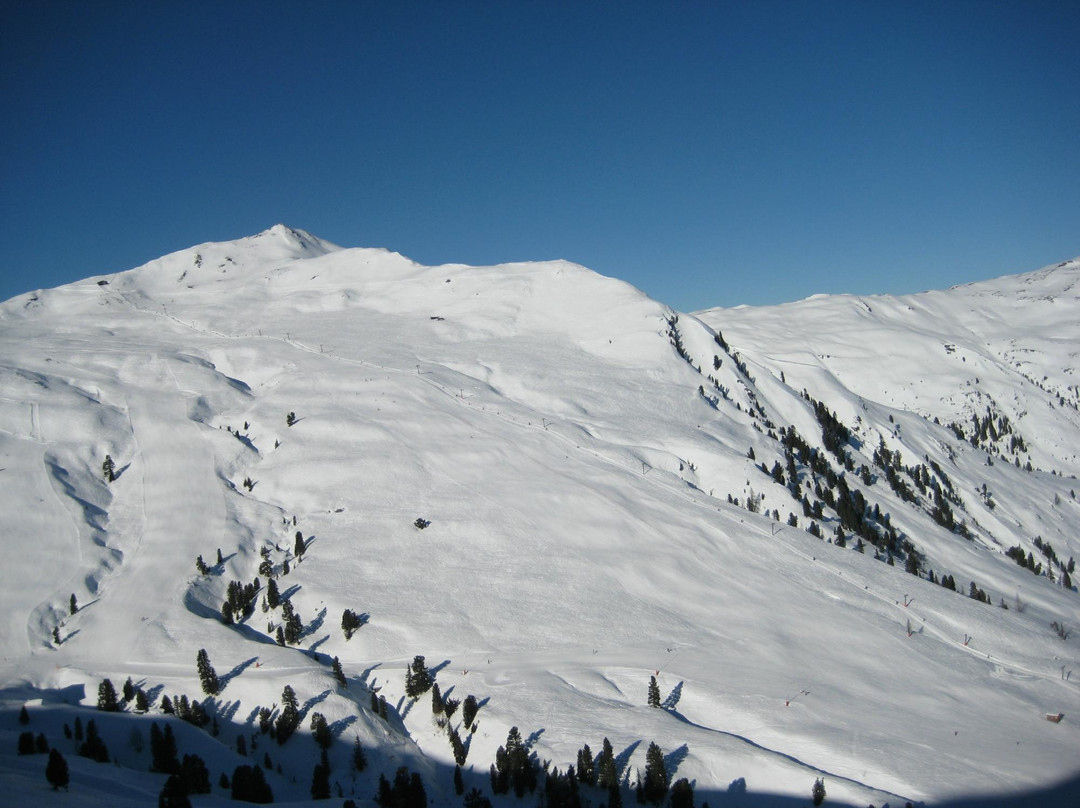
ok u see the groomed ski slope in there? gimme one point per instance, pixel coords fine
(581, 538)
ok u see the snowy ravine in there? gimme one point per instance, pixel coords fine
(613, 491)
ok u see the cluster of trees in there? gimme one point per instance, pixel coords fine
(418, 679)
(351, 622)
(514, 767)
(249, 785)
(407, 791)
(239, 601)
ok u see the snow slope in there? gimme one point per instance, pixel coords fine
(574, 445)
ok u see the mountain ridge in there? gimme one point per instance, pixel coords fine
(581, 454)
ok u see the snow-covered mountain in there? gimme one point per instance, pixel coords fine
(553, 488)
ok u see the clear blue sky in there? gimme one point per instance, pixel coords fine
(710, 153)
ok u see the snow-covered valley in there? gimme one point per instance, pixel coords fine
(612, 491)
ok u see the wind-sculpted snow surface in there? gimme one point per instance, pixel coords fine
(538, 479)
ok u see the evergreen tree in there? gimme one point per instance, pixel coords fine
(129, 690)
(107, 700)
(78, 728)
(141, 704)
(41, 744)
(167, 705)
(108, 469)
(249, 784)
(655, 785)
(280, 636)
(173, 794)
(461, 752)
(94, 747)
(436, 700)
(682, 794)
(469, 709)
(817, 793)
(339, 674)
(606, 775)
(24, 716)
(586, 767)
(56, 634)
(195, 775)
(163, 750)
(56, 771)
(200, 566)
(359, 760)
(320, 782)
(418, 680)
(654, 692)
(210, 684)
(26, 743)
(289, 719)
(273, 597)
(73, 604)
(220, 560)
(320, 731)
(299, 545)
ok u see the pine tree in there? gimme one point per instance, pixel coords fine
(141, 704)
(682, 794)
(655, 785)
(586, 767)
(56, 771)
(26, 743)
(339, 674)
(654, 692)
(299, 545)
(73, 604)
(273, 597)
(320, 731)
(78, 729)
(128, 690)
(194, 775)
(359, 760)
(163, 750)
(289, 718)
(56, 634)
(418, 679)
(320, 782)
(817, 793)
(210, 684)
(94, 747)
(107, 700)
(41, 744)
(24, 716)
(173, 794)
(201, 567)
(606, 776)
(108, 469)
(469, 709)
(436, 700)
(249, 785)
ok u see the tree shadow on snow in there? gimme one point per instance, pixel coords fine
(672, 701)
(674, 758)
(312, 702)
(622, 760)
(342, 724)
(236, 671)
(315, 624)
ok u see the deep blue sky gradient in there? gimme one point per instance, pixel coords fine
(710, 153)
